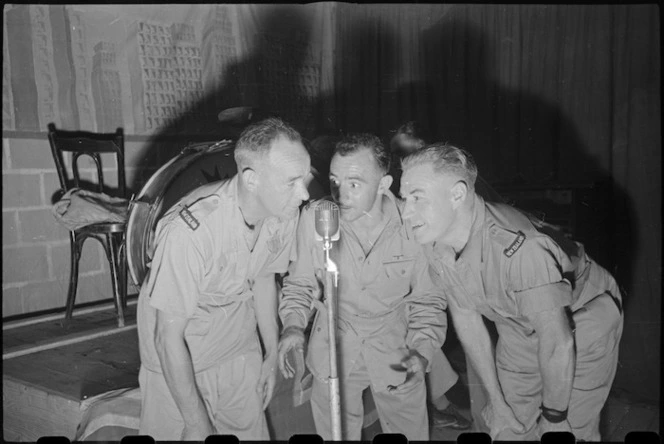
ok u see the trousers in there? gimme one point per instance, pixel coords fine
(399, 412)
(229, 393)
(599, 326)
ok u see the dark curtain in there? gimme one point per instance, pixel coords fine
(543, 96)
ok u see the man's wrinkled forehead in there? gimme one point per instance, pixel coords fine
(362, 159)
(287, 158)
(425, 176)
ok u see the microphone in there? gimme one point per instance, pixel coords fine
(327, 221)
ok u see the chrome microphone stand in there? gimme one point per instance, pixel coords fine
(331, 281)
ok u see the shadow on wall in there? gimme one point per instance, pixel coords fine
(251, 82)
(367, 52)
(517, 137)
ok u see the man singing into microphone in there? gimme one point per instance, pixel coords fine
(390, 317)
(211, 290)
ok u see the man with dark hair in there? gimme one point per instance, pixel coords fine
(211, 289)
(390, 318)
(558, 313)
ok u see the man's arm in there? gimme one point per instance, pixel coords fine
(542, 292)
(427, 319)
(179, 374)
(477, 344)
(427, 323)
(300, 284)
(557, 358)
(299, 287)
(265, 303)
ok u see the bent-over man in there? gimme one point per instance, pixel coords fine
(211, 283)
(391, 319)
(557, 312)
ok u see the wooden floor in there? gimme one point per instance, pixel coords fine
(110, 360)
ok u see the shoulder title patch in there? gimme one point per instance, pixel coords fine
(509, 251)
(189, 218)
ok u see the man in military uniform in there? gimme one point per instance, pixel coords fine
(211, 284)
(391, 319)
(558, 314)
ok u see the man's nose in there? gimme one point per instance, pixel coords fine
(304, 193)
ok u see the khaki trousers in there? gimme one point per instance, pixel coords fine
(401, 412)
(599, 326)
(229, 392)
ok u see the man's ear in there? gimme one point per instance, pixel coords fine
(459, 192)
(250, 179)
(385, 184)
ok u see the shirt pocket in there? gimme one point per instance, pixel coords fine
(398, 273)
(399, 269)
(228, 276)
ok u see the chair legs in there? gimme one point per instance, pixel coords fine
(75, 255)
(114, 248)
(117, 275)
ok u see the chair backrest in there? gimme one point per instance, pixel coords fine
(83, 143)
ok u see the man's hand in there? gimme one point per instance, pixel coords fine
(268, 379)
(197, 431)
(498, 416)
(546, 426)
(415, 365)
(291, 338)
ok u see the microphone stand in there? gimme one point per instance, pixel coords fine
(331, 281)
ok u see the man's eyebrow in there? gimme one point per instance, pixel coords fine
(415, 191)
(360, 178)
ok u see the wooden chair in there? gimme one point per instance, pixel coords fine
(110, 235)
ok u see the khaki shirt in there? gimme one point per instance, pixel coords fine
(387, 302)
(514, 266)
(203, 269)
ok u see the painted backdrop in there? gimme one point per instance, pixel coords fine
(160, 69)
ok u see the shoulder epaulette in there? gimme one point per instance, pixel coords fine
(192, 213)
(189, 218)
(515, 245)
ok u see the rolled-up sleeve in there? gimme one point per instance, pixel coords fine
(300, 284)
(536, 275)
(426, 305)
(177, 269)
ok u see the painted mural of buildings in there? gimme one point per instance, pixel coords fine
(62, 62)
(48, 68)
(106, 88)
(219, 52)
(22, 67)
(187, 70)
(152, 80)
(45, 76)
(8, 121)
(82, 74)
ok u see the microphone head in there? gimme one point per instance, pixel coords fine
(327, 221)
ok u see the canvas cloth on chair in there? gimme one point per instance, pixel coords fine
(79, 208)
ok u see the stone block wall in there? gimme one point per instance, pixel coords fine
(35, 248)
